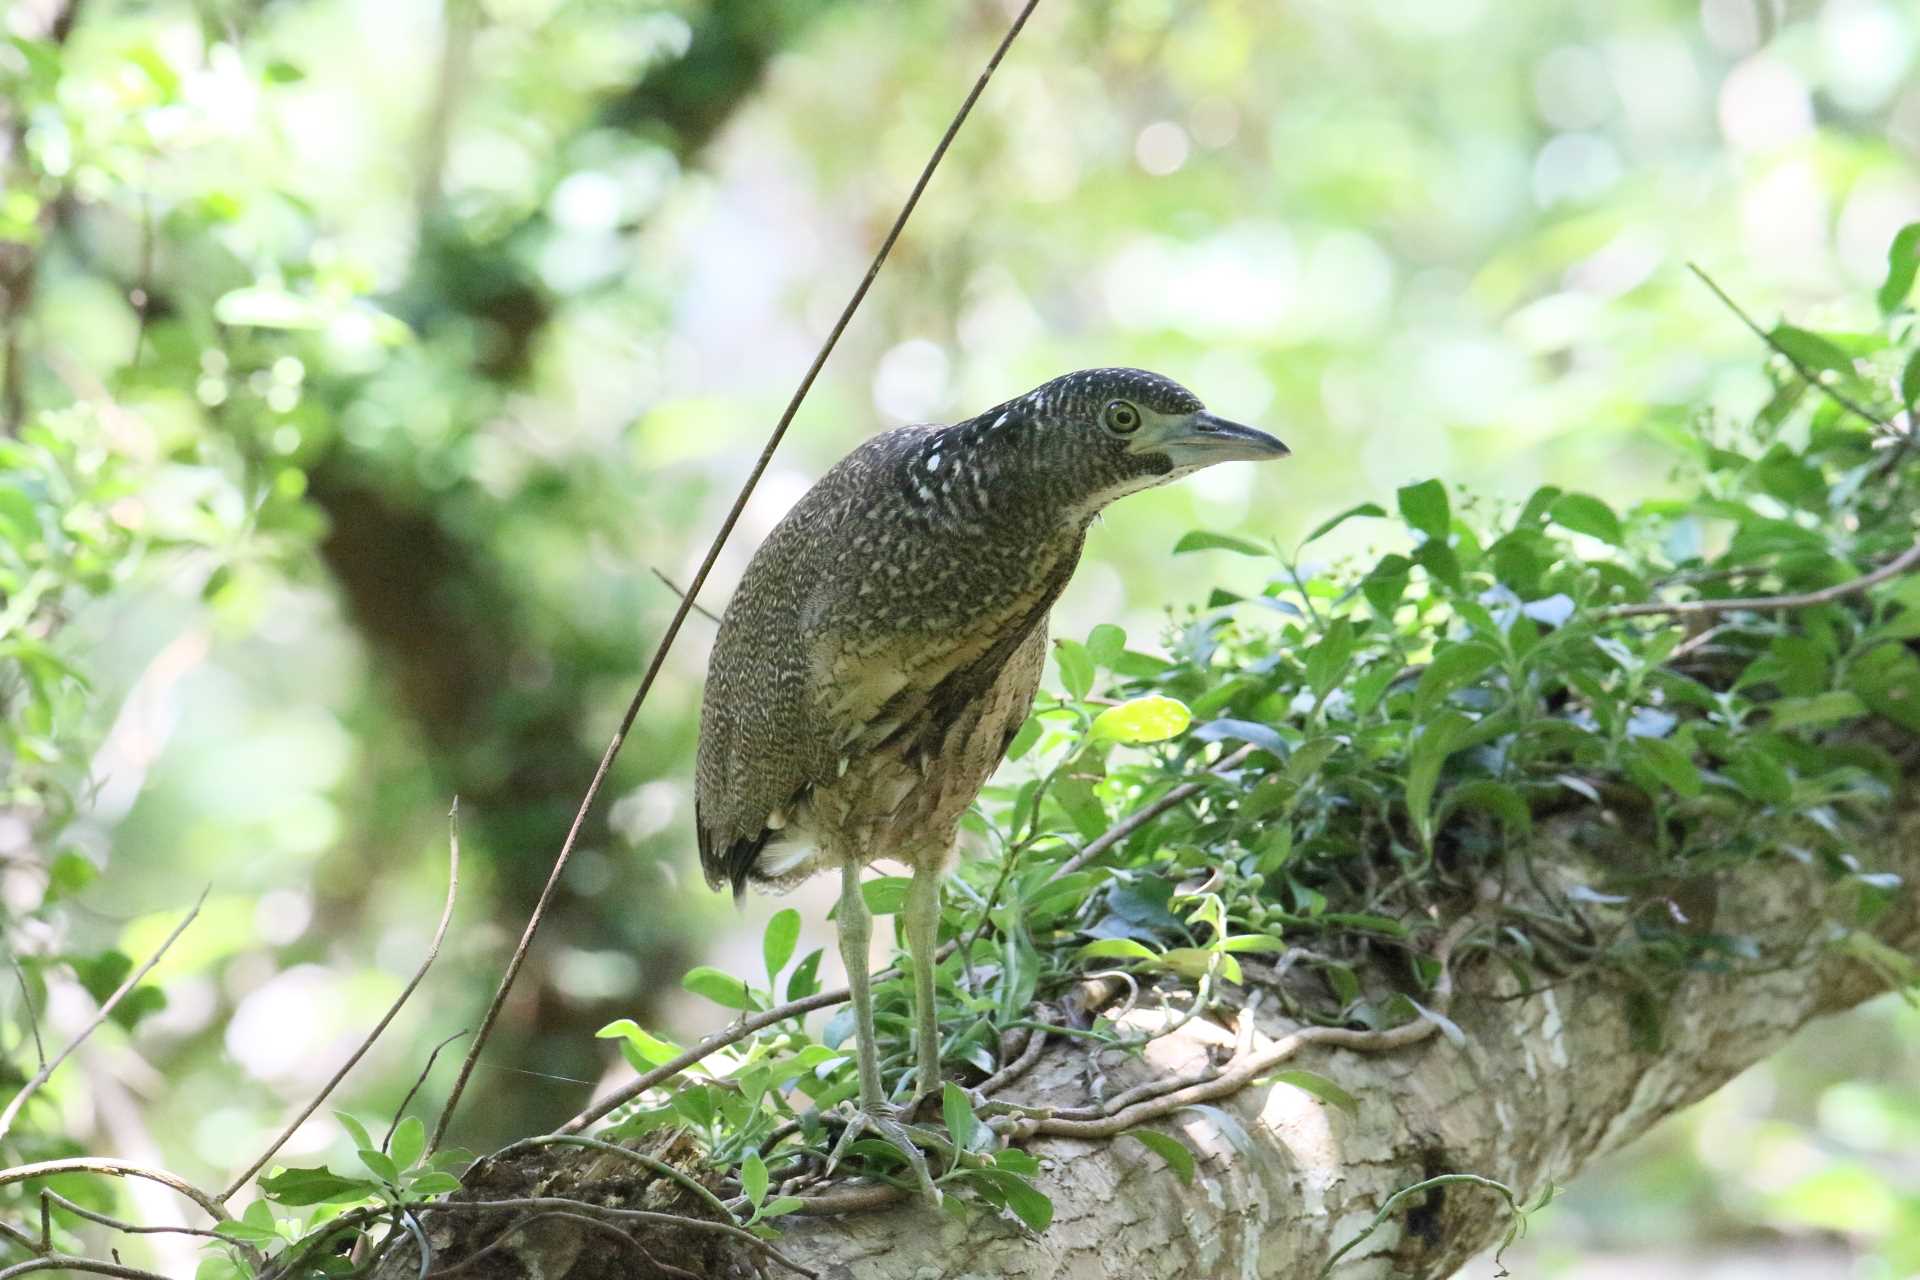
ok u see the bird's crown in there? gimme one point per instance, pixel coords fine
(1087, 393)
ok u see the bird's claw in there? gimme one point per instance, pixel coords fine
(904, 1138)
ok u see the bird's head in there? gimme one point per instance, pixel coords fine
(1100, 434)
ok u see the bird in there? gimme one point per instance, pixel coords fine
(884, 646)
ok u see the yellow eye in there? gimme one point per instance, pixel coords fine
(1121, 418)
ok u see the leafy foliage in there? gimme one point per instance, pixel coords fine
(1373, 741)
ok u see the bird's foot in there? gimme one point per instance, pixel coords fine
(883, 1121)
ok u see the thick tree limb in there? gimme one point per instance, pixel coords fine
(1543, 1084)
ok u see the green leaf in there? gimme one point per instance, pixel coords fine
(1451, 667)
(1903, 260)
(1387, 583)
(1320, 1087)
(722, 988)
(1819, 709)
(1583, 513)
(805, 979)
(1201, 540)
(1116, 949)
(355, 1130)
(777, 944)
(1910, 383)
(1430, 751)
(1245, 942)
(1195, 963)
(1370, 509)
(885, 895)
(379, 1164)
(1076, 668)
(779, 1207)
(753, 1178)
(1498, 798)
(408, 1143)
(649, 1048)
(1170, 1149)
(1024, 738)
(1671, 765)
(434, 1182)
(1153, 718)
(315, 1186)
(1424, 506)
(1027, 1201)
(1105, 644)
(962, 1126)
(1327, 661)
(1811, 349)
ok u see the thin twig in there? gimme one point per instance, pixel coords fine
(739, 1031)
(69, 1262)
(674, 587)
(33, 1015)
(433, 950)
(418, 1081)
(598, 1224)
(1146, 813)
(646, 1162)
(105, 1011)
(109, 1167)
(1826, 595)
(1812, 378)
(1442, 1180)
(706, 566)
(131, 1228)
(623, 1215)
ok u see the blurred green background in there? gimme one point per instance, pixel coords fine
(365, 363)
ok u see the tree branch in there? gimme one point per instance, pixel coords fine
(1893, 568)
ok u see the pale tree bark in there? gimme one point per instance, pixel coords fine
(1541, 1085)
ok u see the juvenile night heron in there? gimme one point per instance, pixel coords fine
(885, 644)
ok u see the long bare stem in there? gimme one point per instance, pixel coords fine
(706, 566)
(105, 1011)
(433, 950)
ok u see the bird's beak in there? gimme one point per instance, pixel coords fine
(1201, 439)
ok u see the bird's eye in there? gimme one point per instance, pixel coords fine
(1121, 418)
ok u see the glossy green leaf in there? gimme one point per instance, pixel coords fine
(1364, 509)
(1430, 751)
(1105, 644)
(1320, 1087)
(1451, 667)
(1152, 718)
(409, 1142)
(315, 1186)
(1076, 668)
(753, 1178)
(1903, 261)
(649, 1048)
(1169, 1148)
(722, 988)
(1201, 540)
(1424, 506)
(957, 1112)
(1583, 513)
(778, 942)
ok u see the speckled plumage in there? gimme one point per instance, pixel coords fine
(885, 644)
(887, 638)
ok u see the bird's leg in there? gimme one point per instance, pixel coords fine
(874, 1111)
(856, 938)
(922, 918)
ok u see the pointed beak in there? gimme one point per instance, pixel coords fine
(1201, 439)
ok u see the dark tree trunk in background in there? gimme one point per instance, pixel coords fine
(446, 635)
